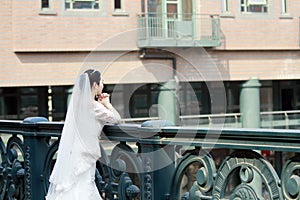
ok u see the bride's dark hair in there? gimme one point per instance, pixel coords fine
(94, 76)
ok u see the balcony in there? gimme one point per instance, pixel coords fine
(174, 30)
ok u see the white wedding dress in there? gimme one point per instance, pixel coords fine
(73, 176)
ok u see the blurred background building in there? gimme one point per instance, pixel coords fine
(140, 44)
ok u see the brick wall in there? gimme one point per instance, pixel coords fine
(50, 48)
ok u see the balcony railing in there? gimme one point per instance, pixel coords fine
(289, 119)
(149, 161)
(178, 30)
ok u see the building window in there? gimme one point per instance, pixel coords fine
(9, 103)
(284, 7)
(119, 8)
(59, 102)
(225, 6)
(233, 96)
(45, 4)
(143, 102)
(82, 4)
(28, 102)
(118, 5)
(266, 96)
(254, 6)
(194, 98)
(19, 103)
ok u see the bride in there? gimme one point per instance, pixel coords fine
(73, 175)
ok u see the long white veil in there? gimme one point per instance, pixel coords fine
(79, 147)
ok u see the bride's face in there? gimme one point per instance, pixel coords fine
(97, 88)
(101, 86)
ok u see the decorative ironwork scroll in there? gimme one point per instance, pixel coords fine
(246, 175)
(12, 173)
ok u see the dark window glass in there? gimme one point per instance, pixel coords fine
(19, 103)
(191, 96)
(7, 91)
(143, 101)
(59, 102)
(255, 8)
(29, 100)
(59, 107)
(29, 106)
(233, 96)
(82, 5)
(11, 103)
(45, 3)
(117, 4)
(140, 105)
(28, 90)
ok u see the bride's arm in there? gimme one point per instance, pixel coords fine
(105, 112)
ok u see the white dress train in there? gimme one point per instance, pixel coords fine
(84, 189)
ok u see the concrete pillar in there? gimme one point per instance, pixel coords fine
(250, 104)
(168, 103)
(250, 117)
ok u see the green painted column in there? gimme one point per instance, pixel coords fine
(167, 102)
(250, 117)
(35, 152)
(250, 104)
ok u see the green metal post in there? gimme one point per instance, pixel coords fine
(35, 149)
(168, 104)
(250, 104)
(157, 165)
(250, 116)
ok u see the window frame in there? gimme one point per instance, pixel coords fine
(284, 7)
(225, 6)
(71, 5)
(120, 11)
(121, 6)
(19, 104)
(285, 11)
(46, 8)
(255, 2)
(245, 7)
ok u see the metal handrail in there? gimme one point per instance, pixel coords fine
(210, 117)
(213, 115)
(187, 26)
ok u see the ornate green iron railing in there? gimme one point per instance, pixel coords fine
(154, 160)
(178, 30)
